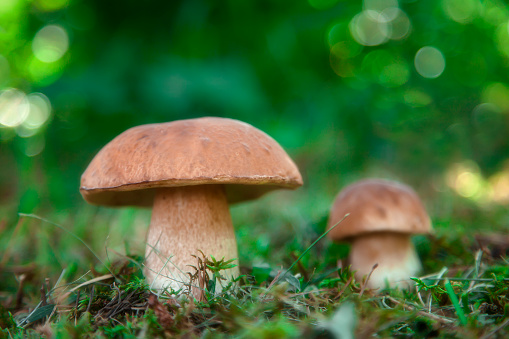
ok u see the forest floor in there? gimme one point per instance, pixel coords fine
(53, 284)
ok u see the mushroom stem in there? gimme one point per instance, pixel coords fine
(393, 252)
(184, 221)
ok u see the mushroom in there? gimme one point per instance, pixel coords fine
(188, 171)
(383, 216)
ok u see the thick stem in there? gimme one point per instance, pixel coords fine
(393, 252)
(184, 221)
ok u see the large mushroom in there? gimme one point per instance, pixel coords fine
(188, 170)
(383, 216)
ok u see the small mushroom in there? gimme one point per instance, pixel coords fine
(188, 171)
(383, 216)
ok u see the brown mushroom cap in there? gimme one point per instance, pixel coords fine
(377, 205)
(187, 152)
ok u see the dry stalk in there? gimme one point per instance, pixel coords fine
(365, 281)
(421, 313)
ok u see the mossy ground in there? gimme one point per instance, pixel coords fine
(85, 283)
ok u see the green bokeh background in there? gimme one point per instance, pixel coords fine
(343, 109)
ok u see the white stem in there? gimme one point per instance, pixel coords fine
(393, 252)
(184, 221)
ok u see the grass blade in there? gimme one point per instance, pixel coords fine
(455, 302)
(311, 246)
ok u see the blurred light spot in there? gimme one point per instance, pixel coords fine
(401, 25)
(494, 14)
(34, 145)
(322, 4)
(340, 61)
(39, 112)
(8, 5)
(347, 49)
(502, 38)
(42, 73)
(14, 107)
(395, 74)
(25, 132)
(500, 187)
(388, 69)
(416, 98)
(4, 70)
(483, 111)
(50, 43)
(429, 62)
(380, 6)
(390, 14)
(498, 94)
(466, 180)
(374, 62)
(51, 5)
(370, 28)
(337, 33)
(467, 184)
(462, 11)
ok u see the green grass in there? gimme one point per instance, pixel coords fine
(80, 274)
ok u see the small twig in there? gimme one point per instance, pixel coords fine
(91, 298)
(308, 292)
(48, 288)
(115, 287)
(19, 293)
(117, 321)
(272, 283)
(76, 308)
(365, 282)
(122, 303)
(340, 293)
(422, 313)
(418, 292)
(51, 315)
(106, 248)
(124, 256)
(91, 281)
(44, 301)
(464, 279)
(158, 292)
